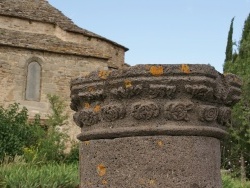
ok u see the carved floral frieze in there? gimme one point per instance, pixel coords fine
(86, 117)
(177, 111)
(145, 111)
(112, 112)
(207, 113)
(161, 91)
(224, 116)
(200, 91)
(126, 92)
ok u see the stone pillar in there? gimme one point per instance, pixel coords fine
(153, 125)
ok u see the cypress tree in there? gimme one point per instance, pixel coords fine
(229, 48)
(243, 48)
(246, 29)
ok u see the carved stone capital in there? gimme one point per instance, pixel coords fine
(148, 100)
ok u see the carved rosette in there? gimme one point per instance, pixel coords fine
(224, 116)
(86, 117)
(177, 111)
(154, 99)
(112, 112)
(145, 111)
(208, 113)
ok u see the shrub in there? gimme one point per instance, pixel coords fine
(15, 131)
(38, 144)
(58, 116)
(73, 155)
(51, 146)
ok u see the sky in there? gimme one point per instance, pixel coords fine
(162, 31)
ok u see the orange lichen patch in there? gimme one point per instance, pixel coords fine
(86, 143)
(97, 108)
(127, 83)
(160, 143)
(91, 88)
(101, 170)
(103, 74)
(156, 70)
(185, 68)
(104, 182)
(86, 105)
(151, 182)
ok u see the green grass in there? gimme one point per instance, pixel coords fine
(229, 182)
(23, 175)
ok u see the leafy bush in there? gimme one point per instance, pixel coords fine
(57, 116)
(15, 131)
(73, 155)
(51, 146)
(37, 143)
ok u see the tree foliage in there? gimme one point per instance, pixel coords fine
(236, 154)
(229, 48)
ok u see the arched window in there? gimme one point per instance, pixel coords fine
(33, 82)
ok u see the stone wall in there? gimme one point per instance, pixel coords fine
(57, 71)
(115, 52)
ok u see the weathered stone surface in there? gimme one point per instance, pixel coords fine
(151, 161)
(153, 125)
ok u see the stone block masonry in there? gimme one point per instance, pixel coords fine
(56, 72)
(41, 50)
(153, 125)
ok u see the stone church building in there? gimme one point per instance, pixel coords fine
(41, 50)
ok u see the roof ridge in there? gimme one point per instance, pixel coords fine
(43, 11)
(49, 43)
